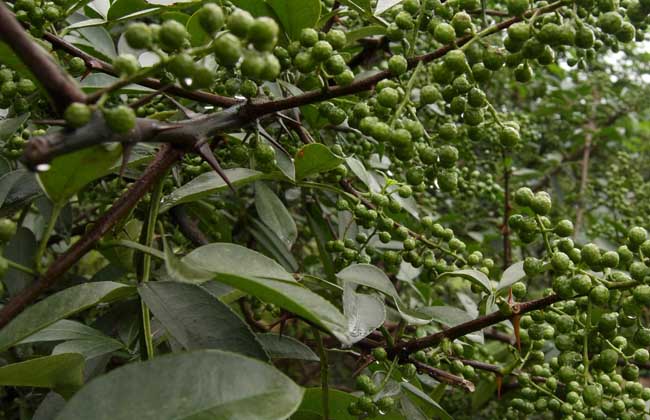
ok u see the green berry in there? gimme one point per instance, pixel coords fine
(321, 51)
(126, 64)
(138, 36)
(210, 17)
(120, 119)
(517, 7)
(227, 50)
(610, 22)
(397, 65)
(599, 295)
(239, 23)
(379, 353)
(541, 203)
(263, 33)
(509, 136)
(445, 33)
(172, 35)
(7, 229)
(77, 115)
(336, 38)
(308, 37)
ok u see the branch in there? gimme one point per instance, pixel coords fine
(43, 149)
(157, 168)
(104, 67)
(60, 88)
(444, 376)
(465, 328)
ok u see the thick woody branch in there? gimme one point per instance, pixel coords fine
(60, 88)
(156, 169)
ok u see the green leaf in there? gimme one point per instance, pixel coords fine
(265, 279)
(9, 126)
(255, 7)
(121, 8)
(21, 249)
(11, 60)
(362, 173)
(511, 275)
(296, 14)
(383, 5)
(209, 183)
(274, 214)
(198, 320)
(269, 243)
(197, 35)
(61, 372)
(322, 234)
(77, 337)
(312, 406)
(416, 394)
(285, 347)
(7, 182)
(448, 315)
(69, 173)
(365, 313)
(24, 190)
(371, 276)
(235, 260)
(181, 272)
(313, 159)
(364, 32)
(205, 384)
(89, 348)
(474, 276)
(63, 330)
(58, 306)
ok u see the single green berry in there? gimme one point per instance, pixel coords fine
(77, 115)
(120, 119)
(7, 229)
(239, 23)
(210, 17)
(138, 35)
(397, 65)
(172, 35)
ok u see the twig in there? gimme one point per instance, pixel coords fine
(104, 67)
(324, 374)
(444, 376)
(505, 229)
(590, 128)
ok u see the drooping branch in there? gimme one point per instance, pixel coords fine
(61, 89)
(161, 163)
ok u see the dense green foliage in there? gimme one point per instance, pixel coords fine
(270, 209)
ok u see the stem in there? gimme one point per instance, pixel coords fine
(20, 267)
(136, 246)
(154, 207)
(324, 373)
(56, 210)
(507, 249)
